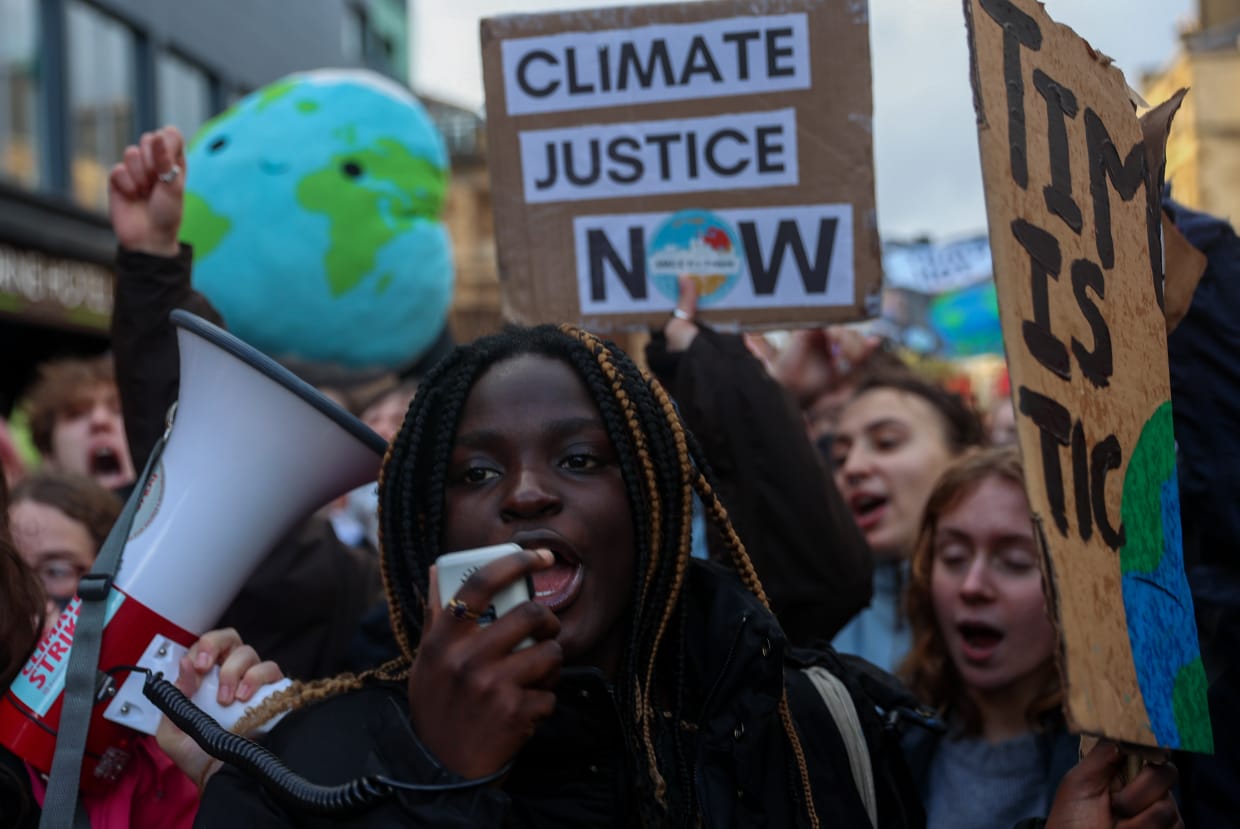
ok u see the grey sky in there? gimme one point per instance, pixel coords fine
(925, 144)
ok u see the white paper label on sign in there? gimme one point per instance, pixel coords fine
(758, 257)
(669, 62)
(602, 161)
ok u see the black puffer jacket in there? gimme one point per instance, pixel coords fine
(574, 771)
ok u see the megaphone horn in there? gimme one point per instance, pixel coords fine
(252, 451)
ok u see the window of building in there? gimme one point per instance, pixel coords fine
(367, 39)
(382, 50)
(101, 56)
(20, 130)
(184, 94)
(353, 34)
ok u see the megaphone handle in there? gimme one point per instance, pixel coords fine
(228, 715)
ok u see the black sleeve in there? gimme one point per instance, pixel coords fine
(812, 559)
(144, 343)
(302, 605)
(18, 808)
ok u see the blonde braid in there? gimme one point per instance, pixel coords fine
(794, 739)
(643, 686)
(640, 444)
(686, 528)
(749, 577)
(300, 694)
(395, 615)
(736, 548)
(686, 535)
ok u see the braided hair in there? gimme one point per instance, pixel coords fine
(662, 468)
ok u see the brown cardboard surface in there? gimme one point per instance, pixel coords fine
(536, 242)
(1097, 660)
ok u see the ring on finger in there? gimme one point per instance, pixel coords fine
(682, 315)
(171, 175)
(461, 611)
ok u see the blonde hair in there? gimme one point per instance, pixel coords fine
(928, 669)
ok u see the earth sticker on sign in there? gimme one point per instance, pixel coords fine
(700, 245)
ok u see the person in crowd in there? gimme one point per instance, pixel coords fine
(1001, 422)
(654, 692)
(656, 689)
(75, 420)
(302, 604)
(1001, 416)
(59, 521)
(893, 439)
(984, 652)
(385, 411)
(984, 658)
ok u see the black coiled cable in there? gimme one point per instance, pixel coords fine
(348, 798)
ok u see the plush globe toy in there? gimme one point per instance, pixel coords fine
(313, 206)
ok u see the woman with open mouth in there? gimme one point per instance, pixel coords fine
(984, 656)
(893, 439)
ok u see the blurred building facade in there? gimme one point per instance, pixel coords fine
(471, 224)
(1203, 152)
(80, 80)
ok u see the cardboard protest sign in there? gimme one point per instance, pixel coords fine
(720, 140)
(1074, 228)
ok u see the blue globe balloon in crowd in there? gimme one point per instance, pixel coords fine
(314, 208)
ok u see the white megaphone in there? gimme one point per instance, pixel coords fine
(253, 451)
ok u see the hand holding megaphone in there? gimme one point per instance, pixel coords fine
(224, 677)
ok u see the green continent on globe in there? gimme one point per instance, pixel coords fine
(1152, 462)
(275, 92)
(203, 227)
(1192, 713)
(370, 196)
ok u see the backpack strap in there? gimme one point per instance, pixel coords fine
(840, 704)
